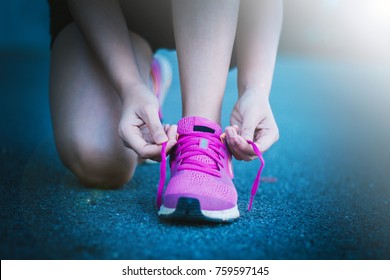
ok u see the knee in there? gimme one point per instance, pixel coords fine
(69, 34)
(101, 175)
(100, 168)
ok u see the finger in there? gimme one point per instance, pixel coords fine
(248, 128)
(239, 146)
(172, 140)
(231, 142)
(135, 141)
(133, 138)
(153, 122)
(245, 150)
(267, 139)
(172, 132)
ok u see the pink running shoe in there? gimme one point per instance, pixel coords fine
(201, 186)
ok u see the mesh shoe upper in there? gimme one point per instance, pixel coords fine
(201, 167)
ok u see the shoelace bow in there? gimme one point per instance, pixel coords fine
(190, 164)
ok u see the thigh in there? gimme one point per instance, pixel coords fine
(85, 108)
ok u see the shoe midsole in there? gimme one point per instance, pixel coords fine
(225, 214)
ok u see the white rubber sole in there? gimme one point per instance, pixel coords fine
(186, 211)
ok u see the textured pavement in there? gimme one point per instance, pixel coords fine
(326, 193)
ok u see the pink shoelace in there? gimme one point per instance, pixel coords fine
(192, 149)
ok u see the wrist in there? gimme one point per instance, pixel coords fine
(258, 91)
(127, 90)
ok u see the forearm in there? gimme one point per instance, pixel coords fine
(104, 27)
(258, 35)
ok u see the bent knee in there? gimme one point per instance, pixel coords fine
(69, 34)
(102, 175)
(99, 168)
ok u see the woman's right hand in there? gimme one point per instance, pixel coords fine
(140, 127)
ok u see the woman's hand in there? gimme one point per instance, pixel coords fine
(251, 119)
(140, 127)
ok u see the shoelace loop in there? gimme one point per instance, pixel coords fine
(163, 167)
(189, 146)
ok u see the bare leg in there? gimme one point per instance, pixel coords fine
(258, 32)
(86, 111)
(204, 35)
(259, 26)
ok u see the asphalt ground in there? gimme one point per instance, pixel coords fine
(325, 194)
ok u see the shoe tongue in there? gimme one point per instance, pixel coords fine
(188, 125)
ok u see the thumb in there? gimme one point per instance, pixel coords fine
(156, 129)
(248, 129)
